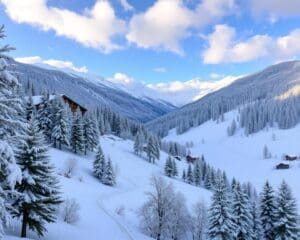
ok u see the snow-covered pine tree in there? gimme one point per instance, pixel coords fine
(266, 153)
(232, 128)
(286, 216)
(29, 108)
(183, 175)
(169, 167)
(109, 177)
(10, 101)
(151, 150)
(156, 148)
(99, 164)
(221, 223)
(241, 214)
(197, 174)
(189, 175)
(138, 142)
(256, 227)
(77, 138)
(60, 131)
(39, 185)
(44, 115)
(10, 126)
(90, 133)
(175, 170)
(267, 211)
(9, 174)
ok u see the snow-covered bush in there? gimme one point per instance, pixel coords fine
(70, 211)
(70, 167)
(120, 210)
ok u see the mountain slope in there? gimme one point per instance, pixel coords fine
(241, 156)
(99, 203)
(91, 92)
(277, 83)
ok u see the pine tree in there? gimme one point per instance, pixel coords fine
(109, 175)
(44, 116)
(175, 170)
(286, 224)
(10, 103)
(77, 138)
(169, 167)
(90, 133)
(39, 184)
(197, 174)
(10, 126)
(183, 175)
(99, 164)
(267, 211)
(29, 108)
(151, 151)
(60, 132)
(256, 227)
(221, 224)
(189, 175)
(241, 214)
(10, 174)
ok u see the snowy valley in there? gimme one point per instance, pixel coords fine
(83, 158)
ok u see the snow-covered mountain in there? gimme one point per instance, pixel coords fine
(90, 91)
(272, 94)
(176, 92)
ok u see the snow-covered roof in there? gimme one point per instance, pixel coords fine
(38, 99)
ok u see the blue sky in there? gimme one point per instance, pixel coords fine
(155, 41)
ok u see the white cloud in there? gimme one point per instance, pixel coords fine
(95, 28)
(160, 69)
(176, 92)
(276, 7)
(224, 47)
(180, 93)
(53, 63)
(121, 78)
(126, 5)
(165, 24)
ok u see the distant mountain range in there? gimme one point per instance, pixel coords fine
(90, 91)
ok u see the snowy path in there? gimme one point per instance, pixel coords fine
(121, 226)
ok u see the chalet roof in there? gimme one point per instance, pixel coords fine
(39, 98)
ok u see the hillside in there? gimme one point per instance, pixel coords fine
(90, 91)
(241, 156)
(98, 203)
(276, 85)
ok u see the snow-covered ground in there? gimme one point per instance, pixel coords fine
(241, 156)
(98, 203)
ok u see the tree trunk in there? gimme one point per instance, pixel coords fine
(24, 224)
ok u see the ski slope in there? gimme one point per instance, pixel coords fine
(241, 156)
(98, 203)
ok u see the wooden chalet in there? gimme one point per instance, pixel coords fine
(73, 105)
(191, 159)
(37, 100)
(281, 166)
(290, 158)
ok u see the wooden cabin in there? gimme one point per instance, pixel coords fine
(73, 105)
(37, 100)
(191, 159)
(281, 166)
(290, 158)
